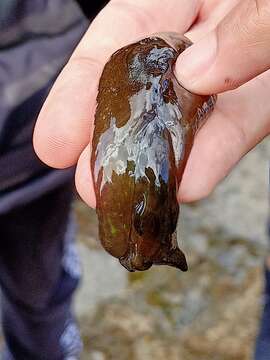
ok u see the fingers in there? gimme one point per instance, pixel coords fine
(211, 14)
(240, 121)
(65, 123)
(236, 51)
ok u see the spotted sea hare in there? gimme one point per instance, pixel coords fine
(145, 124)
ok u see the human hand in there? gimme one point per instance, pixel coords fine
(62, 131)
(234, 52)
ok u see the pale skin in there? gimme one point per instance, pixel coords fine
(238, 69)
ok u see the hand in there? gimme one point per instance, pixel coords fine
(235, 51)
(65, 122)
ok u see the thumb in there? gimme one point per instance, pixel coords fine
(232, 54)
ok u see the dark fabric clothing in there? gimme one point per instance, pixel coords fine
(262, 348)
(91, 8)
(39, 270)
(36, 39)
(23, 177)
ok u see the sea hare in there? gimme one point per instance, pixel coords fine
(145, 124)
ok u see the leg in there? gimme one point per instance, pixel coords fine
(262, 350)
(39, 272)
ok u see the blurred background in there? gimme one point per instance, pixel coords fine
(209, 313)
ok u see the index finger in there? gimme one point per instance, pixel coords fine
(65, 123)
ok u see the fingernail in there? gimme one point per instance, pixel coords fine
(196, 60)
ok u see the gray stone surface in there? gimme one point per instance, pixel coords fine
(103, 276)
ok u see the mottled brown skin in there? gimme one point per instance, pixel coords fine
(145, 124)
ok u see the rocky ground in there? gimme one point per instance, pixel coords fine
(208, 313)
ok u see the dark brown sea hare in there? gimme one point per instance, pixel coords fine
(145, 124)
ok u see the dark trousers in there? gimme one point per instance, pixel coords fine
(262, 348)
(39, 268)
(39, 271)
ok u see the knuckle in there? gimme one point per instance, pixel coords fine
(262, 6)
(256, 22)
(231, 83)
(249, 22)
(139, 18)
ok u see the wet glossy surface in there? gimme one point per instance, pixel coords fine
(145, 123)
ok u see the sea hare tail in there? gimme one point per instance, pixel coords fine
(173, 257)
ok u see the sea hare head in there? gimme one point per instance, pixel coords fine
(145, 123)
